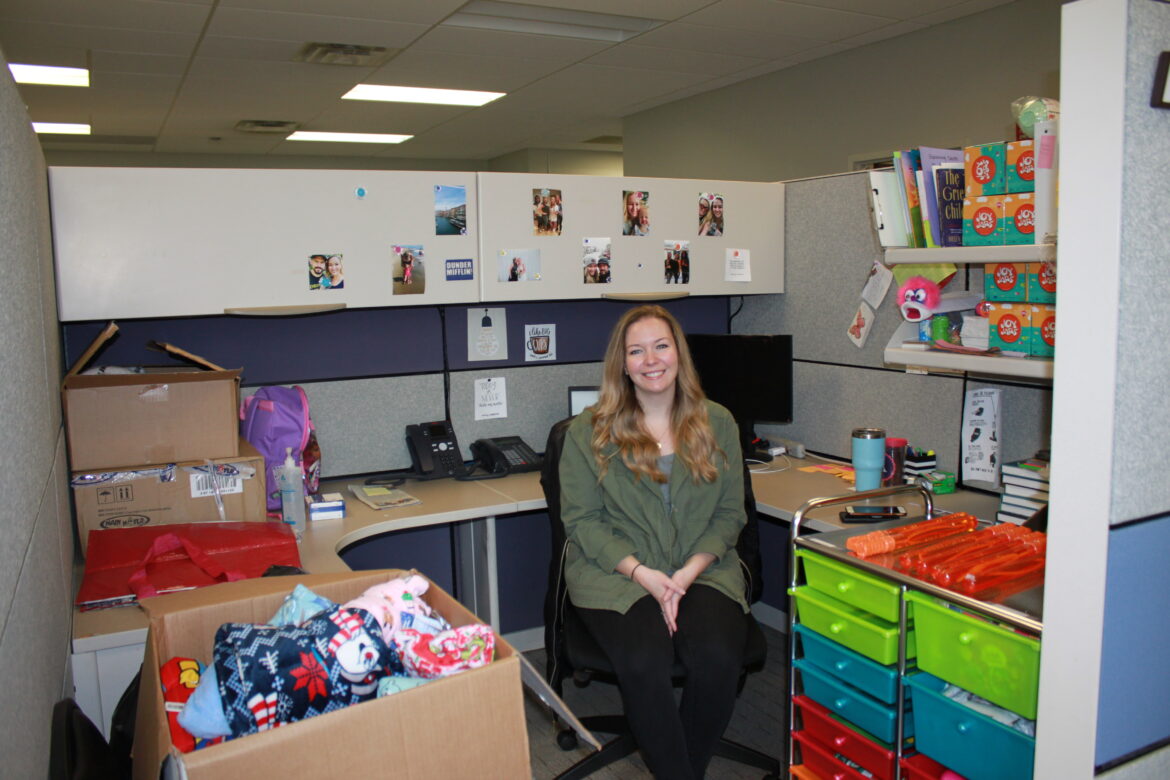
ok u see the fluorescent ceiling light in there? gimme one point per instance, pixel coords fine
(537, 20)
(446, 97)
(352, 138)
(48, 74)
(63, 128)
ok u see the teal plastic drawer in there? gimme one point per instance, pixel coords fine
(860, 709)
(964, 740)
(880, 682)
(856, 629)
(993, 662)
(851, 585)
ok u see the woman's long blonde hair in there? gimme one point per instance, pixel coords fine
(617, 416)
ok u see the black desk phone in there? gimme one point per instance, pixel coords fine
(434, 453)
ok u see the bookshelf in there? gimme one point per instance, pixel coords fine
(1021, 367)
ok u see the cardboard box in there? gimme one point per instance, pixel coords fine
(983, 170)
(1019, 218)
(1011, 326)
(1042, 339)
(1005, 281)
(1041, 283)
(983, 220)
(1021, 165)
(170, 493)
(470, 725)
(165, 416)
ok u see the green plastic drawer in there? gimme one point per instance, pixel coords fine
(986, 659)
(853, 586)
(856, 629)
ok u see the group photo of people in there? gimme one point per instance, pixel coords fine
(519, 265)
(548, 213)
(635, 213)
(710, 214)
(409, 277)
(678, 262)
(326, 272)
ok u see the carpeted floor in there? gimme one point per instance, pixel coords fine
(759, 722)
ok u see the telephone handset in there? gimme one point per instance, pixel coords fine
(434, 451)
(504, 455)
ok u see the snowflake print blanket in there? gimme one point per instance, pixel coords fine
(272, 675)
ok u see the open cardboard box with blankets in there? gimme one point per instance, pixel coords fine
(164, 415)
(470, 724)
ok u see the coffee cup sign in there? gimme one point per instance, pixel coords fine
(540, 342)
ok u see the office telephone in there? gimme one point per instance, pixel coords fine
(506, 455)
(434, 453)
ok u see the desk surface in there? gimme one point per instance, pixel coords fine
(778, 494)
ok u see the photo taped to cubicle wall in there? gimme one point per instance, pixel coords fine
(595, 260)
(710, 214)
(635, 213)
(548, 212)
(450, 210)
(407, 269)
(325, 271)
(518, 265)
(678, 262)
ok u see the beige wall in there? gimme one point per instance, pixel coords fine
(36, 537)
(947, 85)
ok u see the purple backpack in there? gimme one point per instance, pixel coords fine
(273, 419)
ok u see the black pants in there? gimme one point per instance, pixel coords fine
(677, 742)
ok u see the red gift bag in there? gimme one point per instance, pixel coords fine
(125, 564)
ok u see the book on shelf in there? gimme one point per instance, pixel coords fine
(1026, 504)
(906, 162)
(1028, 468)
(1018, 487)
(1007, 517)
(948, 184)
(930, 157)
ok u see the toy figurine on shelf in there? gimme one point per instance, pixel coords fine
(918, 297)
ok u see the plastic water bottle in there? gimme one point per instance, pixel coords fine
(292, 495)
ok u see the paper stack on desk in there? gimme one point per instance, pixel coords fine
(378, 497)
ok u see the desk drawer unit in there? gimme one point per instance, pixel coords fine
(858, 630)
(853, 587)
(837, 737)
(821, 762)
(880, 682)
(993, 662)
(844, 700)
(966, 741)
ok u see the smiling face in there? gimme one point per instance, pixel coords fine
(651, 357)
(717, 208)
(333, 266)
(632, 207)
(704, 207)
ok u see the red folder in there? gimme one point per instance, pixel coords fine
(125, 564)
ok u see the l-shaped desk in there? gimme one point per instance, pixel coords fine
(108, 644)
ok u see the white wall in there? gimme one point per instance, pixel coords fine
(36, 537)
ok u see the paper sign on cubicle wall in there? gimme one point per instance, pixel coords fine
(491, 398)
(737, 265)
(487, 334)
(980, 442)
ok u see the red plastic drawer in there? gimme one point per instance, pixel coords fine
(820, 760)
(922, 767)
(834, 734)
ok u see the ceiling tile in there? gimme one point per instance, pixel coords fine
(119, 14)
(676, 60)
(102, 62)
(107, 38)
(551, 50)
(413, 11)
(744, 43)
(802, 21)
(895, 9)
(455, 70)
(268, 25)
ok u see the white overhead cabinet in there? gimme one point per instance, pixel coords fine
(166, 242)
(530, 254)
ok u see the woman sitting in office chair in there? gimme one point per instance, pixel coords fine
(652, 499)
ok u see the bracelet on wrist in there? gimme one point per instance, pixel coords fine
(634, 570)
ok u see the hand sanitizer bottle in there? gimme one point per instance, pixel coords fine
(292, 495)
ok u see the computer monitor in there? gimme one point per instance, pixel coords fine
(581, 396)
(749, 374)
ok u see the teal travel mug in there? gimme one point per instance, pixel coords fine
(869, 455)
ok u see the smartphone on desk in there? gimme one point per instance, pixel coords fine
(871, 514)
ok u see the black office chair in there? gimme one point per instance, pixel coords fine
(571, 650)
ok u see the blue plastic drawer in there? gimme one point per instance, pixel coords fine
(966, 741)
(877, 680)
(860, 709)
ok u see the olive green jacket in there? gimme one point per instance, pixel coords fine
(622, 516)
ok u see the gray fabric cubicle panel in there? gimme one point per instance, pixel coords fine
(361, 423)
(537, 398)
